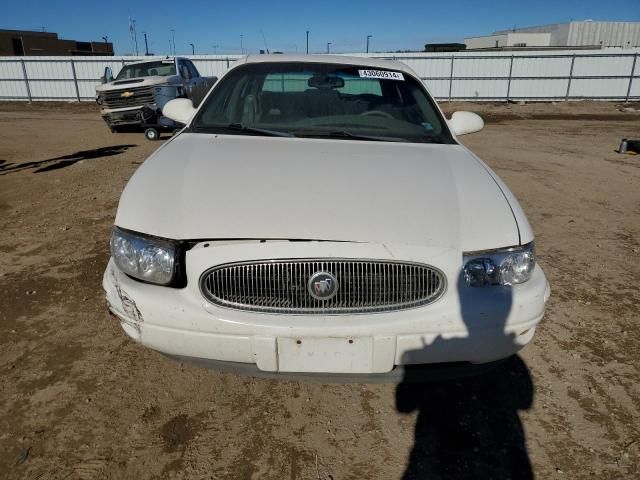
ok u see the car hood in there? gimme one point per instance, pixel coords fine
(138, 82)
(205, 186)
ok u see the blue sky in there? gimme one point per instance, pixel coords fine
(393, 24)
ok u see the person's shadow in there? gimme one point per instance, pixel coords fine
(469, 428)
(63, 161)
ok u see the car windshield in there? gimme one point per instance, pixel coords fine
(161, 68)
(305, 99)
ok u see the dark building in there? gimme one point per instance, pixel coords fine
(25, 43)
(444, 47)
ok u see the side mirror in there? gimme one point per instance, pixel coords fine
(185, 72)
(462, 123)
(179, 110)
(108, 75)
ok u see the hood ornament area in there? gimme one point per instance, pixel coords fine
(323, 286)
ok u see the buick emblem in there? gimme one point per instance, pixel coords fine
(322, 286)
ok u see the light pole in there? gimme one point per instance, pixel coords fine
(215, 49)
(135, 35)
(173, 38)
(193, 49)
(241, 45)
(146, 45)
(328, 47)
(105, 38)
(368, 37)
(307, 42)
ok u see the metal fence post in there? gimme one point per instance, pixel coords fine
(573, 60)
(451, 78)
(633, 69)
(509, 80)
(26, 79)
(75, 79)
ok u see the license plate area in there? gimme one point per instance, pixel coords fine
(325, 354)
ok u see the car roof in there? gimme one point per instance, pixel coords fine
(154, 59)
(334, 59)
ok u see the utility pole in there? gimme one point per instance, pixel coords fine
(241, 44)
(146, 45)
(193, 49)
(215, 49)
(173, 37)
(328, 47)
(135, 35)
(307, 42)
(368, 37)
(105, 38)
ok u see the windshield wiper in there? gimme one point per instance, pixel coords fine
(354, 136)
(433, 139)
(259, 131)
(241, 128)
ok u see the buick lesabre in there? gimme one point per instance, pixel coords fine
(318, 215)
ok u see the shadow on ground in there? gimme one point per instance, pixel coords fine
(64, 160)
(469, 428)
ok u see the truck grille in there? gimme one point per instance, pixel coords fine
(284, 286)
(127, 97)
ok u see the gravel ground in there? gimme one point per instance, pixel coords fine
(80, 400)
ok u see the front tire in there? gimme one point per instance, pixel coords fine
(151, 134)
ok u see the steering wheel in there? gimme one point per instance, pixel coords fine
(378, 113)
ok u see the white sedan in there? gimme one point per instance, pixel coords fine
(317, 215)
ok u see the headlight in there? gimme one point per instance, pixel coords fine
(145, 258)
(500, 267)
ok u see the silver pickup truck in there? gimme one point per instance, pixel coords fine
(137, 94)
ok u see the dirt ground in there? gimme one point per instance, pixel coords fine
(80, 400)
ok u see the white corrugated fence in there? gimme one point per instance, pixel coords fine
(608, 74)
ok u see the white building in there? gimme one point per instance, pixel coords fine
(572, 34)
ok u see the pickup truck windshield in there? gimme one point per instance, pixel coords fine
(147, 69)
(304, 99)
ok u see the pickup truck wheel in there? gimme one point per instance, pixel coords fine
(151, 134)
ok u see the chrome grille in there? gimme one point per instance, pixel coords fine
(281, 286)
(114, 99)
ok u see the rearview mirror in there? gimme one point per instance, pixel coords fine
(108, 75)
(179, 110)
(462, 123)
(325, 82)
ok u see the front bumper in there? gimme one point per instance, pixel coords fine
(468, 325)
(122, 118)
(129, 117)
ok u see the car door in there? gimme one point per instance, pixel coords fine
(193, 69)
(185, 74)
(196, 79)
